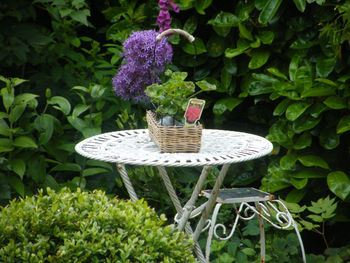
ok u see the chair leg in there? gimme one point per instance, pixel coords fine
(211, 231)
(262, 235)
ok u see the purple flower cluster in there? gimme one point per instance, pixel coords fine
(144, 58)
(164, 20)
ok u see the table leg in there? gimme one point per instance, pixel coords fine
(127, 182)
(191, 202)
(211, 201)
(179, 210)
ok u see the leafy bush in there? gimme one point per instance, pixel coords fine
(87, 227)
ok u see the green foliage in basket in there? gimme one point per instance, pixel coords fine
(87, 227)
(172, 95)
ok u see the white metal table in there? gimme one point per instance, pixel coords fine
(219, 147)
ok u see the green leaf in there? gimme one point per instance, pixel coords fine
(73, 167)
(244, 32)
(324, 66)
(317, 108)
(62, 102)
(259, 58)
(313, 160)
(7, 98)
(6, 145)
(293, 67)
(309, 173)
(287, 161)
(17, 185)
(294, 197)
(77, 123)
(79, 109)
(335, 102)
(4, 128)
(344, 124)
(259, 87)
(316, 218)
(249, 251)
(300, 4)
(277, 73)
(299, 183)
(266, 36)
(205, 85)
(24, 142)
(281, 107)
(201, 5)
(93, 171)
(226, 103)
(329, 139)
(191, 24)
(224, 19)
(24, 98)
(16, 112)
(231, 66)
(304, 141)
(319, 91)
(18, 166)
(216, 46)
(296, 109)
(45, 125)
(327, 82)
(305, 123)
(226, 79)
(269, 11)
(199, 49)
(81, 16)
(339, 183)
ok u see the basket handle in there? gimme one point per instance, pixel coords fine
(175, 31)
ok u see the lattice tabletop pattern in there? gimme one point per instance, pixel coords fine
(135, 147)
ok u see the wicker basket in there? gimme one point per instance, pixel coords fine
(173, 139)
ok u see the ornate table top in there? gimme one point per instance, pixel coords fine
(135, 147)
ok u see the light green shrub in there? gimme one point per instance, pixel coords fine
(87, 227)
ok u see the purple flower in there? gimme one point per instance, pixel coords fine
(144, 58)
(164, 20)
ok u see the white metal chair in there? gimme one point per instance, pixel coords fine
(251, 202)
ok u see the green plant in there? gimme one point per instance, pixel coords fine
(87, 227)
(172, 95)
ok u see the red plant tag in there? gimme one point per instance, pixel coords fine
(194, 111)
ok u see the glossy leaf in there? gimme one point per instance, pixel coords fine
(287, 161)
(269, 11)
(329, 139)
(190, 49)
(281, 107)
(319, 91)
(259, 87)
(313, 160)
(242, 46)
(300, 4)
(79, 109)
(244, 32)
(224, 19)
(305, 123)
(259, 58)
(190, 25)
(344, 124)
(324, 66)
(309, 173)
(226, 104)
(226, 79)
(296, 109)
(293, 67)
(277, 73)
(339, 183)
(266, 37)
(201, 5)
(317, 108)
(335, 102)
(6, 145)
(299, 183)
(216, 46)
(303, 141)
(230, 66)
